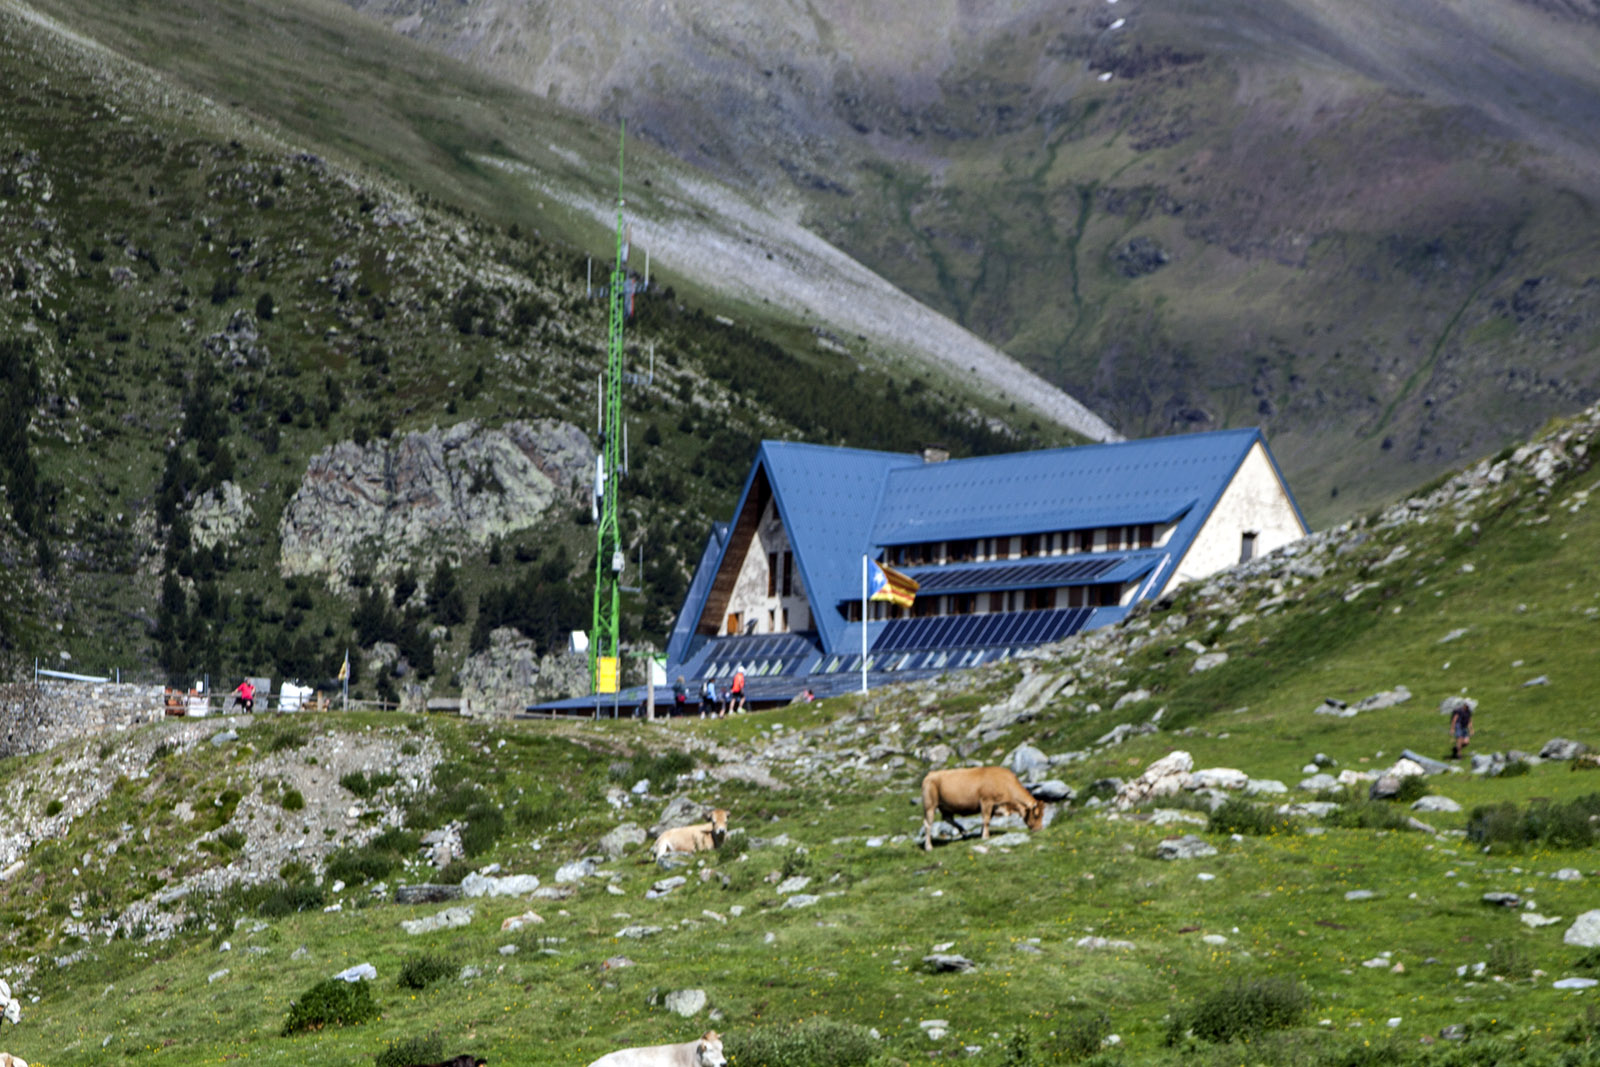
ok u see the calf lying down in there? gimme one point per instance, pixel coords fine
(704, 1052)
(701, 837)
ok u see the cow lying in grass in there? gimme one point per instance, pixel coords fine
(976, 791)
(456, 1061)
(701, 837)
(706, 1052)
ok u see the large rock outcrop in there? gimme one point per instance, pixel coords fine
(509, 675)
(414, 499)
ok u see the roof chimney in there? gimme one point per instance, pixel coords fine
(934, 454)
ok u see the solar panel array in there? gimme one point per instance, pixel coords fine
(1016, 575)
(759, 654)
(980, 631)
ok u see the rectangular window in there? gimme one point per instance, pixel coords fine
(1147, 536)
(997, 602)
(1247, 547)
(772, 574)
(772, 621)
(964, 604)
(785, 615)
(1085, 540)
(788, 574)
(733, 622)
(924, 606)
(1038, 599)
(1030, 546)
(960, 551)
(1108, 595)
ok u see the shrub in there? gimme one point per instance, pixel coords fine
(410, 1050)
(1509, 959)
(330, 1002)
(288, 899)
(1079, 1036)
(1412, 787)
(1557, 825)
(293, 800)
(485, 824)
(1237, 816)
(1492, 824)
(1241, 1009)
(420, 972)
(454, 872)
(663, 766)
(736, 844)
(1369, 815)
(813, 1043)
(796, 862)
(1515, 769)
(1588, 961)
(53, 808)
(286, 740)
(363, 785)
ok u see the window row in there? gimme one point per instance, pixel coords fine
(1106, 594)
(1024, 546)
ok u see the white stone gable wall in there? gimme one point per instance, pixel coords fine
(749, 598)
(1255, 500)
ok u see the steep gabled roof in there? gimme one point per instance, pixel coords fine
(1089, 486)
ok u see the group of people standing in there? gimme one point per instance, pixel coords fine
(715, 700)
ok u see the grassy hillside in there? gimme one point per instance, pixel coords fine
(1478, 586)
(192, 301)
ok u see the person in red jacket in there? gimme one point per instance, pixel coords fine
(247, 696)
(736, 690)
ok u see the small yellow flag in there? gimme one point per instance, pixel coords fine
(344, 668)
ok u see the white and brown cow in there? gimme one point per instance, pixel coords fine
(704, 1052)
(700, 837)
(976, 791)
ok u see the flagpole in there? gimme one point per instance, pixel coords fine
(863, 623)
(346, 673)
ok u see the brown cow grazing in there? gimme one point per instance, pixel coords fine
(974, 791)
(459, 1061)
(701, 837)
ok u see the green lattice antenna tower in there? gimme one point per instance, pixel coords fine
(604, 665)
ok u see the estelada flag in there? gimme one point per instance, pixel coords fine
(886, 583)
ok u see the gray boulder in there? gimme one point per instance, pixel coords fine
(1052, 790)
(1386, 699)
(447, 919)
(514, 885)
(686, 1002)
(1436, 804)
(1431, 766)
(1187, 847)
(1384, 787)
(1559, 748)
(1584, 931)
(576, 871)
(1259, 786)
(948, 963)
(1319, 783)
(1027, 762)
(626, 836)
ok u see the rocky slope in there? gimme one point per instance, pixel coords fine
(252, 387)
(1347, 223)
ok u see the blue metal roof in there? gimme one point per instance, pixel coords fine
(837, 504)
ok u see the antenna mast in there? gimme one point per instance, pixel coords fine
(604, 644)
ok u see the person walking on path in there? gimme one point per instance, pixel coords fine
(247, 696)
(736, 690)
(680, 697)
(1460, 728)
(708, 697)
